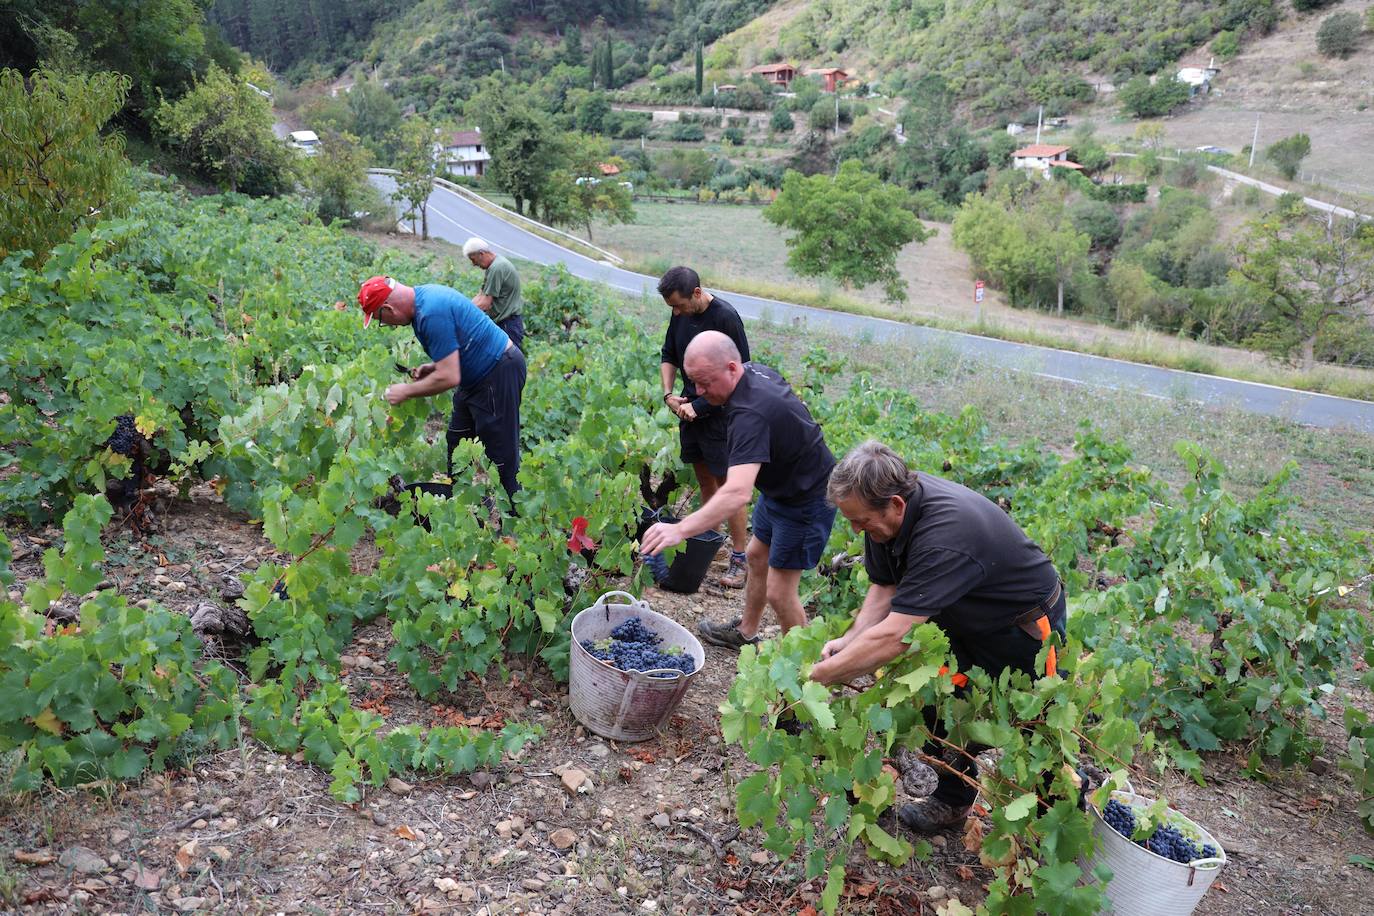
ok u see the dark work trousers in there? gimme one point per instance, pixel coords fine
(514, 326)
(1012, 647)
(490, 412)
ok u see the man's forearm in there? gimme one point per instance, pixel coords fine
(866, 653)
(434, 383)
(667, 373)
(726, 502)
(483, 301)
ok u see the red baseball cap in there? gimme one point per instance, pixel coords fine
(372, 294)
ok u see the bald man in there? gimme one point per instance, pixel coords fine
(773, 444)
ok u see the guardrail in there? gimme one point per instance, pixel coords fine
(511, 214)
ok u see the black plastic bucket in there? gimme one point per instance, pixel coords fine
(688, 569)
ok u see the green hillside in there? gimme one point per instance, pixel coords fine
(432, 52)
(999, 55)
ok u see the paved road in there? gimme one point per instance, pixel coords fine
(455, 219)
(1273, 189)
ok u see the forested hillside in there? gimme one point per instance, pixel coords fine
(1001, 54)
(431, 48)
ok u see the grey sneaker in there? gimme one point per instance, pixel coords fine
(725, 635)
(736, 575)
(931, 816)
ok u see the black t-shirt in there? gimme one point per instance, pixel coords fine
(770, 426)
(960, 559)
(718, 316)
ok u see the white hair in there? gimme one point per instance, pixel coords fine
(474, 245)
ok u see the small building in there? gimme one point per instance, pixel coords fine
(307, 141)
(1016, 130)
(1042, 157)
(777, 74)
(832, 78)
(608, 168)
(1198, 79)
(727, 87)
(466, 154)
(665, 117)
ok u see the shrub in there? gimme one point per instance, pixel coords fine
(733, 135)
(1226, 45)
(1303, 6)
(1098, 221)
(1288, 153)
(822, 115)
(1146, 100)
(686, 132)
(1339, 34)
(750, 97)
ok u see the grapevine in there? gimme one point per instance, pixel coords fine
(205, 331)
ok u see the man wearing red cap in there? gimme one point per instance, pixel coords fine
(469, 354)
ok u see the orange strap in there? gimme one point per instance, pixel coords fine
(1042, 627)
(1042, 631)
(959, 680)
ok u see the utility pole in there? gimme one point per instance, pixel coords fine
(837, 112)
(1254, 142)
(1039, 120)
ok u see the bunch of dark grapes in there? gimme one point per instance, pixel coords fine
(1166, 841)
(634, 630)
(126, 437)
(634, 647)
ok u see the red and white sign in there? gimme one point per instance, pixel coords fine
(978, 291)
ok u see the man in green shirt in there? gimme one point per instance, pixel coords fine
(500, 295)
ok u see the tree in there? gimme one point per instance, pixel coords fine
(224, 128)
(700, 70)
(849, 227)
(1150, 135)
(1097, 220)
(524, 146)
(58, 172)
(1313, 273)
(1144, 99)
(375, 113)
(579, 193)
(338, 176)
(159, 44)
(1287, 154)
(608, 61)
(1026, 244)
(939, 152)
(572, 52)
(417, 163)
(822, 115)
(781, 121)
(590, 111)
(1339, 34)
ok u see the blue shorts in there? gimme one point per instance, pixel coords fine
(795, 535)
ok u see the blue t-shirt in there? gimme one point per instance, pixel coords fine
(446, 320)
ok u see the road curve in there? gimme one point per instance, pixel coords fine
(455, 219)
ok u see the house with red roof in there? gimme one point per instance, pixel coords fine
(1042, 157)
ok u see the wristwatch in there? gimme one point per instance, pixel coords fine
(666, 396)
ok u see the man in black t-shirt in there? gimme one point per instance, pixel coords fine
(701, 424)
(936, 551)
(772, 443)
